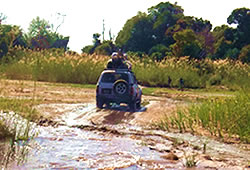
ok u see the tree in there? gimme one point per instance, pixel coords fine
(136, 34)
(163, 16)
(241, 17)
(105, 48)
(187, 22)
(186, 44)
(41, 35)
(158, 50)
(222, 42)
(142, 32)
(8, 34)
(200, 27)
(245, 54)
(2, 18)
(88, 49)
(96, 39)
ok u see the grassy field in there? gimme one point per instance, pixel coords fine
(56, 66)
(222, 116)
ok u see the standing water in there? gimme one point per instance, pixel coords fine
(80, 143)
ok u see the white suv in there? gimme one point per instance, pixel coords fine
(118, 86)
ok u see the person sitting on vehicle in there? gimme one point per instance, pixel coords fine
(119, 60)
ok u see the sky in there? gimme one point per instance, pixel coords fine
(84, 18)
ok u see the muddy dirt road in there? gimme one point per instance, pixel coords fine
(90, 138)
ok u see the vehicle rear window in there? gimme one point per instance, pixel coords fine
(112, 77)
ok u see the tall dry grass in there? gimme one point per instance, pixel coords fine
(55, 65)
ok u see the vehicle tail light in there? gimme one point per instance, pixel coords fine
(131, 91)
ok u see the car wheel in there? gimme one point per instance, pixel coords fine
(121, 87)
(99, 103)
(138, 104)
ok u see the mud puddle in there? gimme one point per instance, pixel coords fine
(91, 138)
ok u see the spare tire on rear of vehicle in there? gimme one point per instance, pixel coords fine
(120, 87)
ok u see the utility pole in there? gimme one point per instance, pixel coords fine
(110, 35)
(103, 30)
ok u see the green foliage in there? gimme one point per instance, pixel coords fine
(38, 27)
(88, 49)
(21, 106)
(221, 45)
(239, 36)
(96, 39)
(188, 22)
(41, 32)
(158, 52)
(143, 31)
(241, 17)
(106, 48)
(232, 53)
(157, 74)
(157, 56)
(195, 73)
(2, 18)
(186, 44)
(9, 33)
(136, 34)
(245, 54)
(222, 116)
(186, 36)
(163, 16)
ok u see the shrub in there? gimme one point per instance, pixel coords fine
(245, 54)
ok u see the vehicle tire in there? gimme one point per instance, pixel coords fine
(108, 105)
(138, 104)
(132, 106)
(99, 103)
(121, 87)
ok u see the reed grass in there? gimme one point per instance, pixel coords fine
(222, 117)
(55, 65)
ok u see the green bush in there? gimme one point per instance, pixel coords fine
(245, 54)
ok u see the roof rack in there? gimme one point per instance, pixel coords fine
(119, 69)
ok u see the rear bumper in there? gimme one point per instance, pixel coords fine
(114, 99)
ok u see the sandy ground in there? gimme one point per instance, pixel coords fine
(51, 93)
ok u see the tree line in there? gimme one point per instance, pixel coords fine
(41, 35)
(165, 31)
